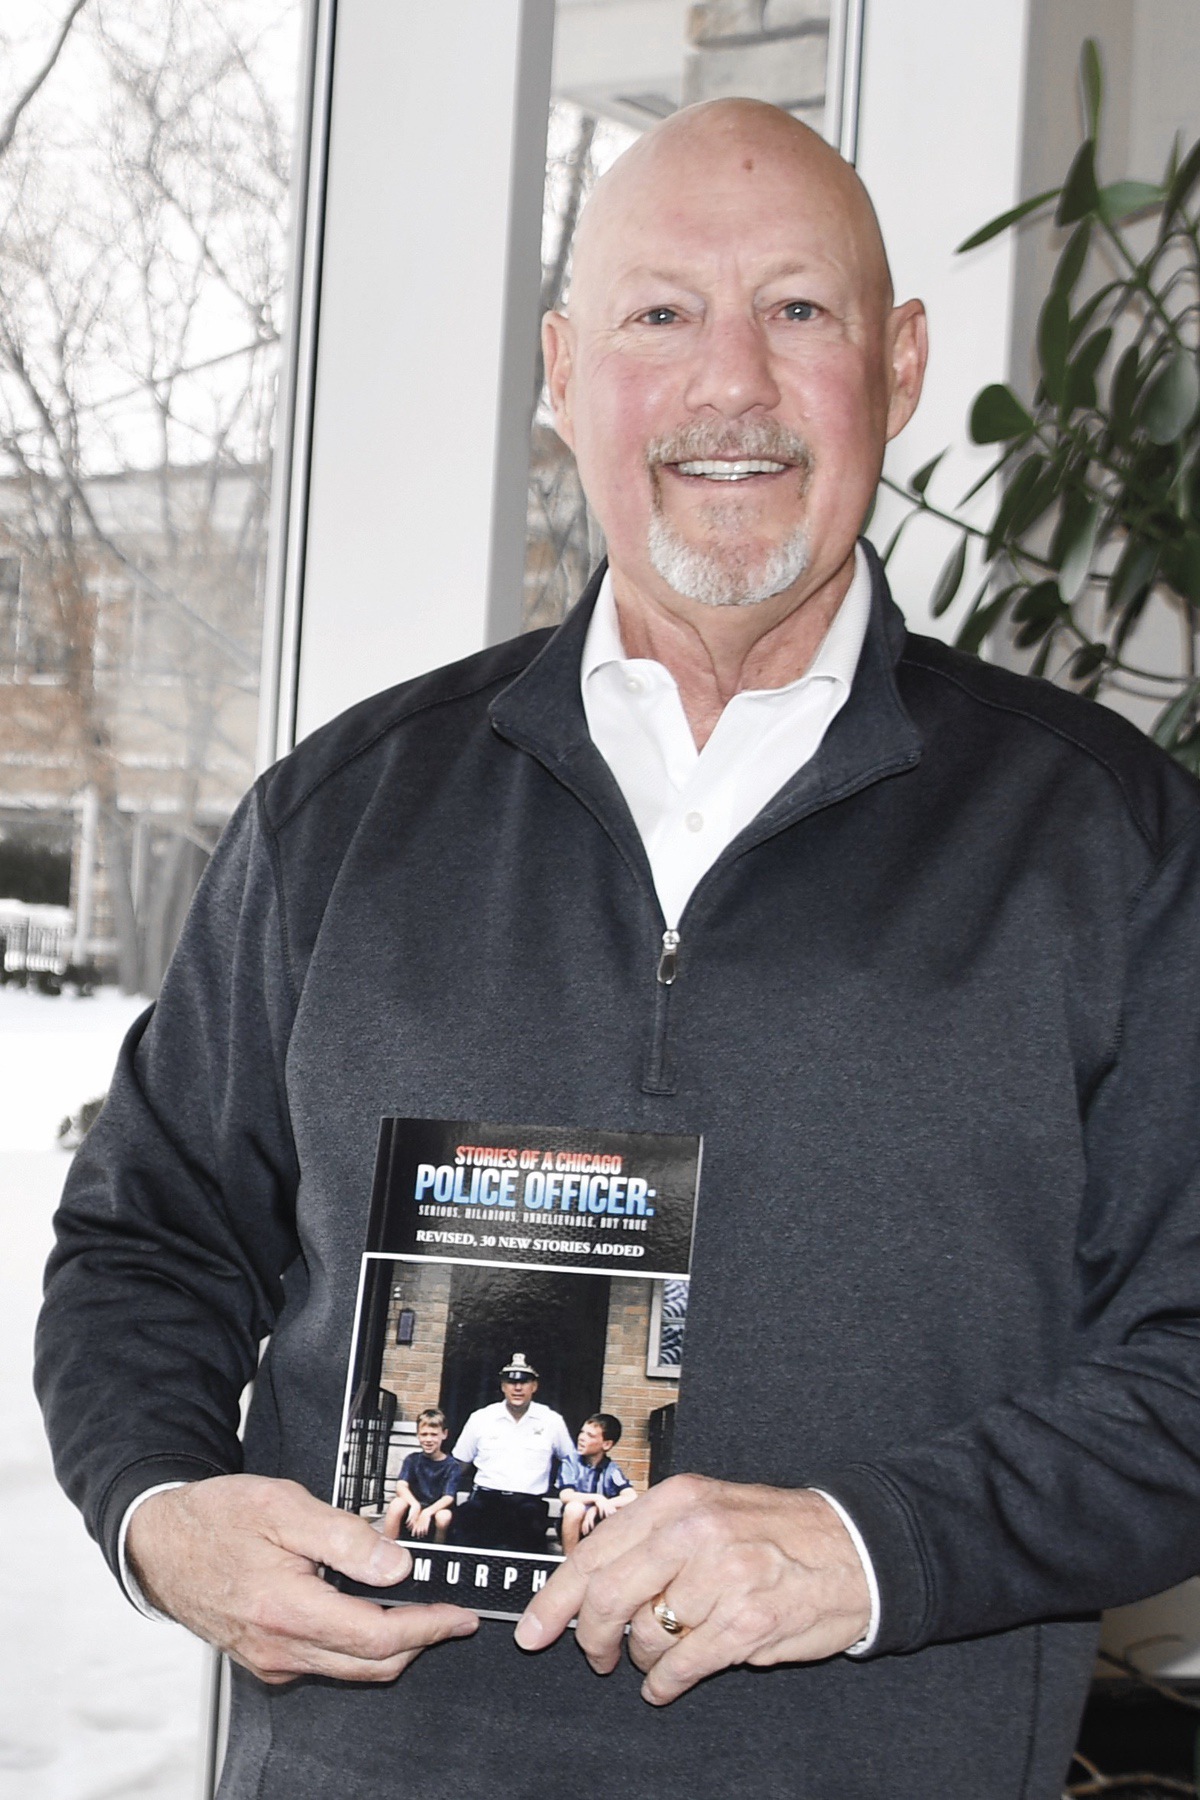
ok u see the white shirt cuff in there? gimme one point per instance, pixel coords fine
(129, 1580)
(866, 1642)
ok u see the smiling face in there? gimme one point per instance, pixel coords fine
(732, 365)
(518, 1392)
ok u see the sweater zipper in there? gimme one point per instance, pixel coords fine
(656, 1078)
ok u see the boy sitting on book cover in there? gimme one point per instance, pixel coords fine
(590, 1484)
(425, 1496)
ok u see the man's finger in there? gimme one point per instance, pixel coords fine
(689, 1659)
(618, 1591)
(649, 1640)
(551, 1611)
(310, 1611)
(294, 1629)
(279, 1664)
(339, 1540)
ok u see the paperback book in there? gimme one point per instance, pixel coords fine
(517, 1349)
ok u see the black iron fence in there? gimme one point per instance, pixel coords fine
(364, 1461)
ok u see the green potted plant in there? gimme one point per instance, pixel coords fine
(1098, 479)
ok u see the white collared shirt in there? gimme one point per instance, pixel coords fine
(514, 1455)
(689, 804)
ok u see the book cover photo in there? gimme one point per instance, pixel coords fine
(517, 1347)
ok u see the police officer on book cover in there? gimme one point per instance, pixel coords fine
(514, 1445)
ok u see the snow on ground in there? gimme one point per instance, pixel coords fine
(96, 1703)
(55, 1053)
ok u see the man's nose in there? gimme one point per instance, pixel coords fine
(732, 372)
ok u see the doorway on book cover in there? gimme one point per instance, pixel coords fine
(557, 1322)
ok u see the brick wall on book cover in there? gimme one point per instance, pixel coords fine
(414, 1371)
(628, 1391)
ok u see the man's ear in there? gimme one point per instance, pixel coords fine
(908, 352)
(558, 348)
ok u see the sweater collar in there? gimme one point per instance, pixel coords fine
(541, 712)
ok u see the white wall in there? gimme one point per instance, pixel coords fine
(939, 150)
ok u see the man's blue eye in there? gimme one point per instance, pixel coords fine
(660, 315)
(800, 309)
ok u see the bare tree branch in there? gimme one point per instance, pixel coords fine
(9, 126)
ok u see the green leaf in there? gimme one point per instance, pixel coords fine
(1184, 180)
(1039, 605)
(1079, 389)
(1080, 194)
(1076, 550)
(1009, 513)
(998, 415)
(895, 537)
(1123, 390)
(1038, 666)
(1181, 567)
(1093, 84)
(1053, 324)
(1129, 619)
(1122, 199)
(995, 226)
(1087, 662)
(1170, 402)
(1136, 568)
(1041, 497)
(920, 481)
(950, 579)
(993, 469)
(1186, 751)
(1176, 716)
(1070, 263)
(980, 621)
(1083, 318)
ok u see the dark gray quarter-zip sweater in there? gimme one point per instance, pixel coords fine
(936, 1013)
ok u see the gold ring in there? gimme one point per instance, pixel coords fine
(666, 1617)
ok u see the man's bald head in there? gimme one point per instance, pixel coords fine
(732, 364)
(739, 141)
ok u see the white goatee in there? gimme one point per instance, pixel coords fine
(733, 573)
(725, 577)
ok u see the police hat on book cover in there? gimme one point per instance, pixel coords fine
(517, 1365)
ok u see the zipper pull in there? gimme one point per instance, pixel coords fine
(668, 958)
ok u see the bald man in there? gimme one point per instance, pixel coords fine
(909, 939)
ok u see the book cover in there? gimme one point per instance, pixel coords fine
(517, 1348)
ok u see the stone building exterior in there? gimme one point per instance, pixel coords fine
(129, 659)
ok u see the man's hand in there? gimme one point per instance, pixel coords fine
(757, 1575)
(235, 1560)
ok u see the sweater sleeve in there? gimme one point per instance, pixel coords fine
(1085, 1494)
(177, 1220)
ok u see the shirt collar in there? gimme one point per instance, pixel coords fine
(836, 658)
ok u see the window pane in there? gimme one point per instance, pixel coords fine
(143, 207)
(619, 66)
(142, 262)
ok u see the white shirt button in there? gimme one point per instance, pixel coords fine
(694, 821)
(633, 683)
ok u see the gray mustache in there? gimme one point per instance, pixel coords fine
(705, 439)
